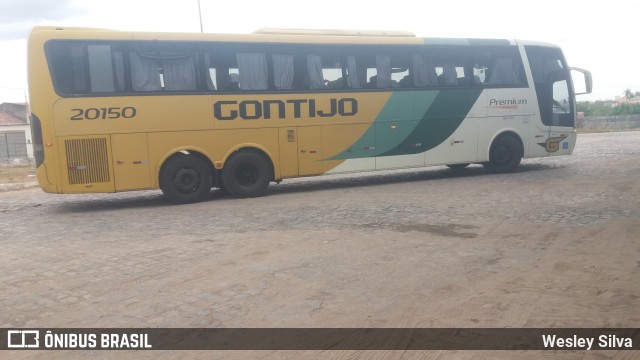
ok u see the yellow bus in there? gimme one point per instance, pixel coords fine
(118, 111)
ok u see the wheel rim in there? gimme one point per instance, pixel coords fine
(502, 155)
(187, 180)
(247, 174)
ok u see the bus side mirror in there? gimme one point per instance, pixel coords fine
(588, 80)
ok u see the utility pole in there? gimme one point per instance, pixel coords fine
(200, 14)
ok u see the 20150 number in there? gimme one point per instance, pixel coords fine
(103, 113)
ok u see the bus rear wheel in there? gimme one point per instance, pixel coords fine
(247, 174)
(505, 155)
(186, 179)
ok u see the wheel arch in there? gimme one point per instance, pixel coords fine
(506, 132)
(183, 151)
(251, 147)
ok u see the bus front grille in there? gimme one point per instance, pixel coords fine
(87, 161)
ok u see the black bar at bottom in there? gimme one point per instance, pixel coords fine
(321, 339)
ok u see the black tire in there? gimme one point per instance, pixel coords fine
(186, 179)
(247, 174)
(505, 155)
(457, 166)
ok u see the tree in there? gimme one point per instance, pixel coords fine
(629, 94)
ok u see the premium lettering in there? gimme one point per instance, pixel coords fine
(498, 102)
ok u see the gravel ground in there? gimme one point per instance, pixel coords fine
(554, 245)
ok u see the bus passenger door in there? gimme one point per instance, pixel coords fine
(553, 132)
(561, 132)
(130, 161)
(309, 150)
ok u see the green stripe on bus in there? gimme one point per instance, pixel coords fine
(438, 113)
(439, 122)
(415, 103)
(400, 109)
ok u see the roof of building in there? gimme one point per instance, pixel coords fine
(8, 119)
(13, 114)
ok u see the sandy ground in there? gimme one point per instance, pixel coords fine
(556, 244)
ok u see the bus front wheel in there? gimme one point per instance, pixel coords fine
(247, 174)
(186, 179)
(505, 155)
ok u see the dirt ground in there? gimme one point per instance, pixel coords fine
(556, 244)
(11, 174)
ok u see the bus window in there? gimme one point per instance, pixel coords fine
(447, 74)
(325, 72)
(368, 71)
(283, 71)
(233, 79)
(252, 71)
(561, 114)
(503, 72)
(400, 77)
(101, 68)
(424, 73)
(479, 74)
(162, 67)
(67, 62)
(355, 76)
(550, 76)
(95, 68)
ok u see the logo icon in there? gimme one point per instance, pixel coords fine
(553, 144)
(23, 339)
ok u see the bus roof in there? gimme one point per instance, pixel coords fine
(317, 36)
(334, 32)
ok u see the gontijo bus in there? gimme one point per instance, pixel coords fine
(117, 111)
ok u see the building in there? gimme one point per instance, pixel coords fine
(625, 100)
(15, 134)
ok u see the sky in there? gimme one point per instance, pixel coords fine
(599, 36)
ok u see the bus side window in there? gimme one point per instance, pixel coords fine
(158, 67)
(211, 72)
(424, 73)
(252, 71)
(325, 72)
(480, 74)
(355, 75)
(68, 67)
(448, 75)
(145, 73)
(368, 71)
(383, 72)
(232, 81)
(503, 72)
(283, 71)
(101, 68)
(80, 69)
(179, 74)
